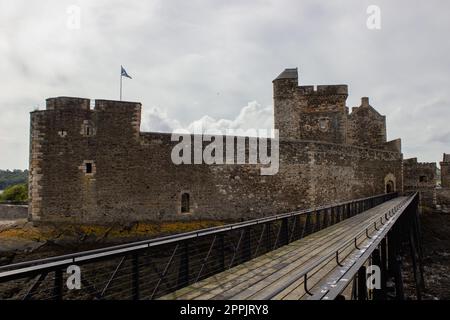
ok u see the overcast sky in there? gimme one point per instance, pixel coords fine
(213, 61)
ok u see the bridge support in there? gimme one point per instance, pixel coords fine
(361, 287)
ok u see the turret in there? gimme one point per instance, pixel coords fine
(445, 171)
(301, 112)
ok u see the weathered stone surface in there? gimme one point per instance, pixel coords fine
(445, 171)
(94, 165)
(421, 176)
(13, 212)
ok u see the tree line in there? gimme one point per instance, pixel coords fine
(14, 184)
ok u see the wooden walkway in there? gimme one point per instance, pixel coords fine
(275, 275)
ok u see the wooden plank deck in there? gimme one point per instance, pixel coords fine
(258, 278)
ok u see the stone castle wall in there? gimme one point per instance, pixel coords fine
(421, 176)
(445, 171)
(94, 165)
(133, 177)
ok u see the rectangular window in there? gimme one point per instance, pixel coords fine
(88, 167)
(185, 205)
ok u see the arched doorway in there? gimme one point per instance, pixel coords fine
(389, 183)
(390, 186)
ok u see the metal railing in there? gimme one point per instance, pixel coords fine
(375, 250)
(149, 269)
(374, 231)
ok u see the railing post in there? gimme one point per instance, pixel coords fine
(332, 219)
(298, 226)
(317, 227)
(58, 286)
(247, 246)
(326, 218)
(183, 271)
(222, 249)
(306, 225)
(268, 234)
(284, 231)
(135, 276)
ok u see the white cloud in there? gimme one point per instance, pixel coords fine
(252, 116)
(210, 57)
(156, 120)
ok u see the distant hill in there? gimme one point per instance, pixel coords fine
(12, 177)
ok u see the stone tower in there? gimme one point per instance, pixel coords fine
(445, 171)
(306, 113)
(68, 142)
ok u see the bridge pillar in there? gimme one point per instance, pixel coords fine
(394, 264)
(383, 267)
(362, 284)
(378, 260)
(413, 251)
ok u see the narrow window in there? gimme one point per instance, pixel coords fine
(88, 131)
(185, 203)
(88, 167)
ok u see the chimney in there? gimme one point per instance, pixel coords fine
(365, 101)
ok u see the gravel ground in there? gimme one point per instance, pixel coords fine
(436, 250)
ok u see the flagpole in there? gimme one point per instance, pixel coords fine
(120, 86)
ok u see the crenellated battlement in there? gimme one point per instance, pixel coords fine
(446, 157)
(68, 103)
(110, 105)
(287, 84)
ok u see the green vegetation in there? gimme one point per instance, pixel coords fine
(15, 193)
(10, 178)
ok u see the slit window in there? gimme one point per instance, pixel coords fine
(88, 167)
(185, 205)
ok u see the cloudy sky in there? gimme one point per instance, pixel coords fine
(213, 61)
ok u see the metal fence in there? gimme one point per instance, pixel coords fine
(152, 268)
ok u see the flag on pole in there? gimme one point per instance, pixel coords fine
(124, 73)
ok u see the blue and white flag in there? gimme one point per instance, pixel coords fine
(124, 73)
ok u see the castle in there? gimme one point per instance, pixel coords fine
(95, 165)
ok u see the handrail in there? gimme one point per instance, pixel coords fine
(345, 244)
(39, 264)
(351, 271)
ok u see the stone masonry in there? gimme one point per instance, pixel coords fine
(443, 193)
(94, 165)
(421, 176)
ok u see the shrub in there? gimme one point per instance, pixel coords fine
(15, 193)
